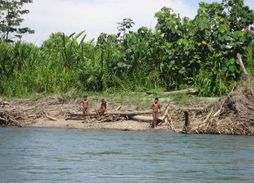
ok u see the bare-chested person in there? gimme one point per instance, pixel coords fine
(84, 103)
(103, 108)
(155, 110)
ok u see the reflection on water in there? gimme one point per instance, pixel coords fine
(57, 155)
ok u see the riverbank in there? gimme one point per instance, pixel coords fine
(231, 115)
(50, 111)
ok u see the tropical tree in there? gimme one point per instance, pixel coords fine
(10, 19)
(179, 52)
(124, 26)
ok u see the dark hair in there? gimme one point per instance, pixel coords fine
(156, 98)
(85, 96)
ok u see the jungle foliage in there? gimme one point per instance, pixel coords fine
(178, 53)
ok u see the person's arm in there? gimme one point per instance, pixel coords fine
(160, 108)
(151, 106)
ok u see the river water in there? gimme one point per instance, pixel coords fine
(61, 155)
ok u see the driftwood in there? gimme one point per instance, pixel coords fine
(4, 103)
(118, 108)
(191, 91)
(147, 119)
(50, 117)
(234, 113)
(21, 112)
(125, 115)
(140, 116)
(6, 119)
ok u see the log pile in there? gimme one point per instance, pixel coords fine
(232, 115)
(7, 119)
(22, 112)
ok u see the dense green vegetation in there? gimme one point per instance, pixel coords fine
(179, 53)
(250, 60)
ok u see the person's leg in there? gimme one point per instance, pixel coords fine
(155, 118)
(152, 125)
(87, 114)
(84, 114)
(102, 111)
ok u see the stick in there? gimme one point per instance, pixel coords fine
(50, 117)
(118, 108)
(208, 116)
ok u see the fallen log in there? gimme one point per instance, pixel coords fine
(191, 91)
(126, 114)
(146, 119)
(129, 113)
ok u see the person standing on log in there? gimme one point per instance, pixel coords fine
(155, 110)
(103, 108)
(84, 103)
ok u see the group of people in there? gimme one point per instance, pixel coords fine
(99, 111)
(103, 107)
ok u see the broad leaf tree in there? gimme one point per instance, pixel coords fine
(123, 26)
(10, 19)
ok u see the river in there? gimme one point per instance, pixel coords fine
(64, 155)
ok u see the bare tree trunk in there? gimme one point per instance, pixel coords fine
(246, 75)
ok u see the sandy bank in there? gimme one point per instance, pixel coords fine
(125, 125)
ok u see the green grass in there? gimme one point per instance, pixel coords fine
(127, 100)
(184, 100)
(138, 100)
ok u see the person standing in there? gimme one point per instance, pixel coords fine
(85, 103)
(155, 110)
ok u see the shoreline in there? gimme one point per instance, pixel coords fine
(52, 112)
(125, 125)
(99, 129)
(229, 115)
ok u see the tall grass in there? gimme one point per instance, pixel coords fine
(65, 63)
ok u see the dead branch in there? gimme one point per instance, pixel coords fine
(50, 117)
(246, 75)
